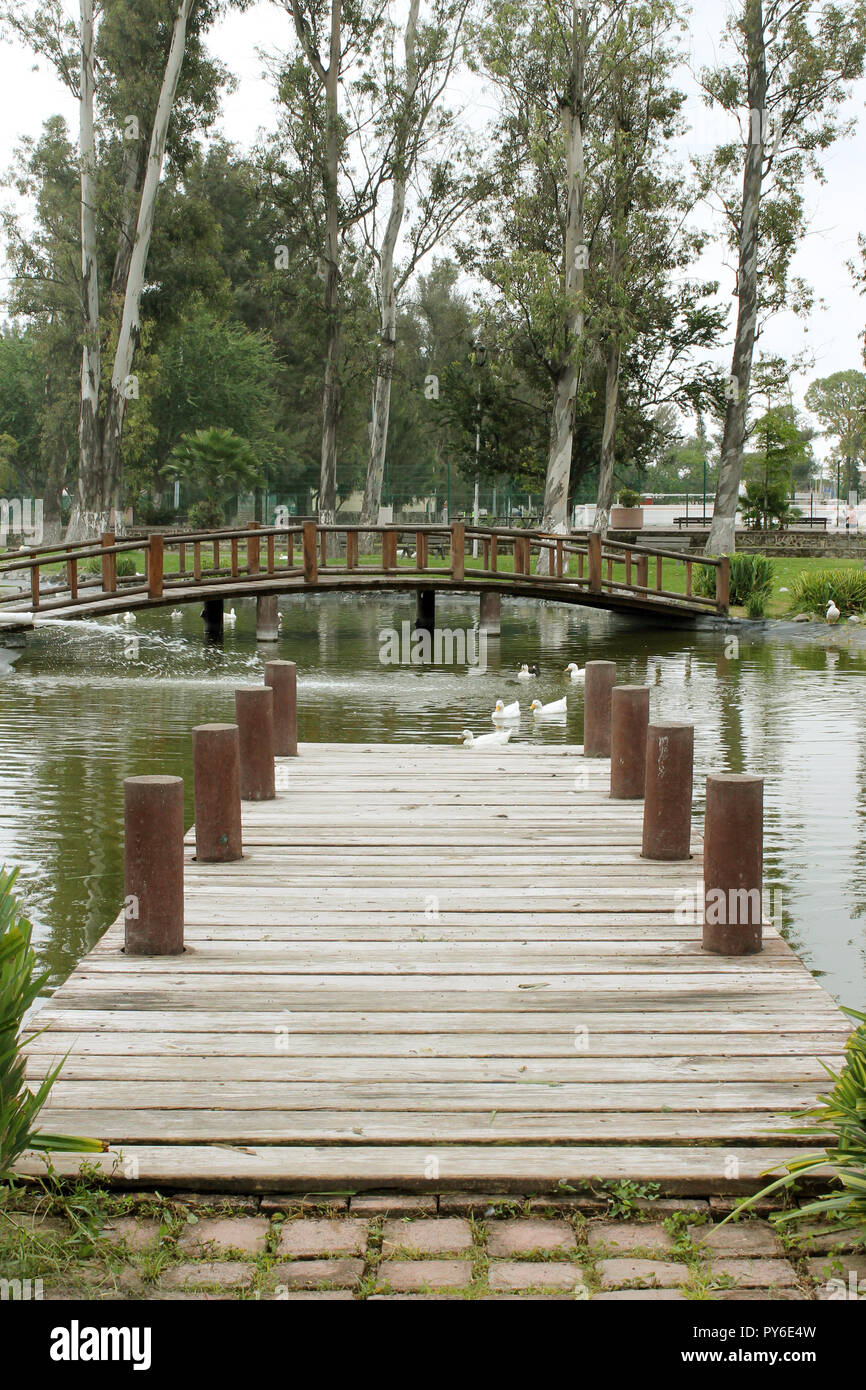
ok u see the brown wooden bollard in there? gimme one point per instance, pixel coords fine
(599, 682)
(216, 761)
(153, 865)
(629, 717)
(282, 677)
(254, 712)
(667, 811)
(733, 864)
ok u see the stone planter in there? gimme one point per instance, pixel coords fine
(626, 518)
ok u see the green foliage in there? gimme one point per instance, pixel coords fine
(751, 577)
(20, 983)
(217, 461)
(765, 502)
(125, 567)
(756, 604)
(842, 1114)
(206, 515)
(627, 497)
(812, 590)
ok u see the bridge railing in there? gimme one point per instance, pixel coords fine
(68, 575)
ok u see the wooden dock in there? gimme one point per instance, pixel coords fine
(437, 969)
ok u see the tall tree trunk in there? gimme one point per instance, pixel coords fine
(333, 308)
(85, 518)
(90, 508)
(388, 296)
(613, 362)
(54, 453)
(555, 511)
(721, 539)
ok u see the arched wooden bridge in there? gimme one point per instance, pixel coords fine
(83, 580)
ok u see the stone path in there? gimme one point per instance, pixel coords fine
(453, 1246)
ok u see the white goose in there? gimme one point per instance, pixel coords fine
(527, 673)
(504, 712)
(176, 615)
(494, 740)
(577, 675)
(230, 617)
(551, 711)
(833, 613)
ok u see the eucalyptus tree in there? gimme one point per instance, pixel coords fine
(421, 154)
(788, 77)
(334, 39)
(124, 64)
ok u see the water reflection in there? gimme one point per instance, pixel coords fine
(85, 705)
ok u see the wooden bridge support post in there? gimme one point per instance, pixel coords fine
(629, 718)
(216, 762)
(458, 548)
(491, 613)
(425, 610)
(667, 811)
(155, 564)
(723, 584)
(153, 866)
(282, 677)
(267, 618)
(254, 712)
(733, 864)
(212, 613)
(642, 571)
(311, 561)
(599, 682)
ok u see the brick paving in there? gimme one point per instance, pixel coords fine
(383, 1246)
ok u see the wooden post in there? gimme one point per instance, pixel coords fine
(196, 561)
(270, 547)
(311, 564)
(351, 550)
(559, 555)
(253, 549)
(389, 550)
(493, 553)
(733, 864)
(629, 717)
(254, 712)
(594, 551)
(282, 678)
(153, 865)
(109, 564)
(642, 567)
(458, 547)
(34, 586)
(216, 555)
(420, 550)
(267, 618)
(235, 566)
(599, 681)
(72, 577)
(723, 584)
(667, 811)
(217, 781)
(155, 560)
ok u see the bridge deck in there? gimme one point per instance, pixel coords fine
(437, 969)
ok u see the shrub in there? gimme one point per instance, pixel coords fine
(841, 1114)
(756, 604)
(19, 986)
(750, 574)
(627, 497)
(206, 515)
(125, 566)
(813, 590)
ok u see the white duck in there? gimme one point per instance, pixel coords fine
(551, 711)
(504, 712)
(833, 613)
(230, 617)
(176, 615)
(494, 740)
(577, 675)
(527, 673)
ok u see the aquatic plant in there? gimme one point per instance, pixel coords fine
(813, 589)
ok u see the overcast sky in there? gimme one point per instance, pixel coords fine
(30, 93)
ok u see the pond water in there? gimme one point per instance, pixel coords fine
(86, 704)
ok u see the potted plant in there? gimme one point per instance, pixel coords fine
(628, 516)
